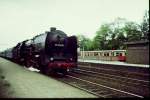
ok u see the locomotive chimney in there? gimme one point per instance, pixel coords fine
(46, 32)
(53, 29)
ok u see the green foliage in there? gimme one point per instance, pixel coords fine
(145, 26)
(132, 31)
(102, 35)
(84, 43)
(113, 35)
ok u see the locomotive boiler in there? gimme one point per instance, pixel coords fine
(55, 51)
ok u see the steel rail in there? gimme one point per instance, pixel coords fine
(106, 87)
(82, 72)
(114, 76)
(114, 70)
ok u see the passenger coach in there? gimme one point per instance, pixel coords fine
(108, 55)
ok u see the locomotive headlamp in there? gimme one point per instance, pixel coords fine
(71, 59)
(37, 56)
(51, 58)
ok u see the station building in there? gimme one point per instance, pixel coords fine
(137, 52)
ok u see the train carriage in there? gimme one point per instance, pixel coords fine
(106, 55)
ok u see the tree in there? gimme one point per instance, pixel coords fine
(117, 36)
(113, 35)
(100, 40)
(85, 43)
(110, 35)
(145, 26)
(132, 31)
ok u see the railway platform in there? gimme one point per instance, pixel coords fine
(113, 63)
(18, 82)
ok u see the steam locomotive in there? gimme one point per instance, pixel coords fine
(52, 51)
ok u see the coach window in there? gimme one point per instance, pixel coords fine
(104, 54)
(95, 54)
(117, 54)
(107, 54)
(88, 54)
(120, 54)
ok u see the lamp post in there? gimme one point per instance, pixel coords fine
(81, 49)
(83, 53)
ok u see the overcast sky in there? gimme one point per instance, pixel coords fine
(23, 19)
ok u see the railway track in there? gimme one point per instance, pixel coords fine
(122, 72)
(102, 91)
(120, 79)
(108, 85)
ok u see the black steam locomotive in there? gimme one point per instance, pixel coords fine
(52, 51)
